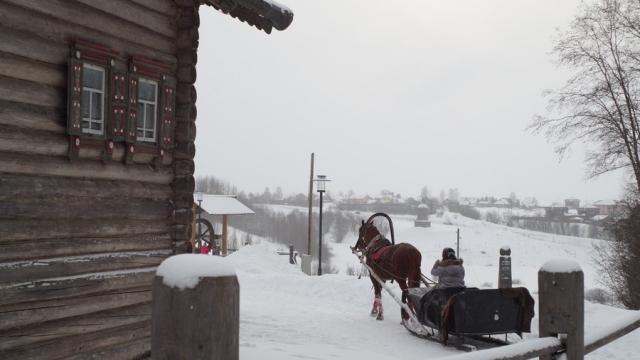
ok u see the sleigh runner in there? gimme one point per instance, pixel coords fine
(434, 314)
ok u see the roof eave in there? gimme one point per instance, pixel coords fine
(260, 14)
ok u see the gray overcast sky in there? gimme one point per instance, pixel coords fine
(390, 95)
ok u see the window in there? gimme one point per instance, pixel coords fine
(93, 98)
(147, 110)
(112, 99)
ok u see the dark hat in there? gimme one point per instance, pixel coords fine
(448, 253)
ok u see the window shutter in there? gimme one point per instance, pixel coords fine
(167, 122)
(132, 106)
(74, 123)
(118, 101)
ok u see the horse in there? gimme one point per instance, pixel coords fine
(399, 262)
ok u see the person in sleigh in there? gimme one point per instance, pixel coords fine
(449, 270)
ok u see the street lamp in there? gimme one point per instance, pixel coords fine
(320, 183)
(200, 195)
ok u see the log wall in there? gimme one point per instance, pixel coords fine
(80, 242)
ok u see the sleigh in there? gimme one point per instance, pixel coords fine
(468, 312)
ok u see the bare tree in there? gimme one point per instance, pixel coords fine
(598, 105)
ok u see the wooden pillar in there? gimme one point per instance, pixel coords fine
(561, 305)
(195, 309)
(504, 272)
(224, 235)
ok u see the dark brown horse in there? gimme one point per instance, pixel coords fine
(399, 262)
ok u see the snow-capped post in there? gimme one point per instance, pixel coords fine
(195, 309)
(504, 270)
(561, 305)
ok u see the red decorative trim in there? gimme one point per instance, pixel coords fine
(151, 62)
(98, 47)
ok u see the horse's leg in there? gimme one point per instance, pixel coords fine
(377, 300)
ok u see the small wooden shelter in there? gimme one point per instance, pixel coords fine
(97, 129)
(222, 205)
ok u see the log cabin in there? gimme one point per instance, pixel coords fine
(97, 130)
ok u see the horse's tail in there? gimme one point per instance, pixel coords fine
(415, 262)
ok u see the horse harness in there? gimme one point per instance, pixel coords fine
(377, 243)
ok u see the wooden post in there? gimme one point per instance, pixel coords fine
(310, 208)
(224, 235)
(291, 260)
(195, 309)
(504, 272)
(561, 305)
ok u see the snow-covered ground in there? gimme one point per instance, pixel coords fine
(285, 314)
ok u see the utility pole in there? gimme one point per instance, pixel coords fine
(310, 205)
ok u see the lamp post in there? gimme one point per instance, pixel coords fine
(320, 182)
(200, 195)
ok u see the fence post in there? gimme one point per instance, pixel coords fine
(291, 260)
(504, 272)
(195, 309)
(561, 304)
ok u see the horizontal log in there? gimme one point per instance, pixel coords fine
(19, 315)
(187, 56)
(181, 232)
(183, 168)
(136, 349)
(33, 117)
(187, 3)
(24, 69)
(186, 74)
(78, 286)
(82, 169)
(186, 93)
(64, 15)
(185, 150)
(168, 8)
(21, 43)
(132, 13)
(188, 38)
(18, 272)
(32, 93)
(36, 208)
(55, 187)
(184, 185)
(186, 112)
(188, 17)
(41, 249)
(184, 216)
(75, 22)
(182, 201)
(24, 140)
(185, 131)
(77, 328)
(20, 230)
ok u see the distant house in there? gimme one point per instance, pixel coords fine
(385, 199)
(608, 206)
(556, 210)
(411, 201)
(360, 199)
(502, 203)
(572, 203)
(468, 201)
(529, 202)
(589, 210)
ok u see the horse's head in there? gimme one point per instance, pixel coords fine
(367, 233)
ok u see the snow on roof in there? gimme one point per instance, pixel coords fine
(185, 270)
(561, 266)
(606, 202)
(224, 205)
